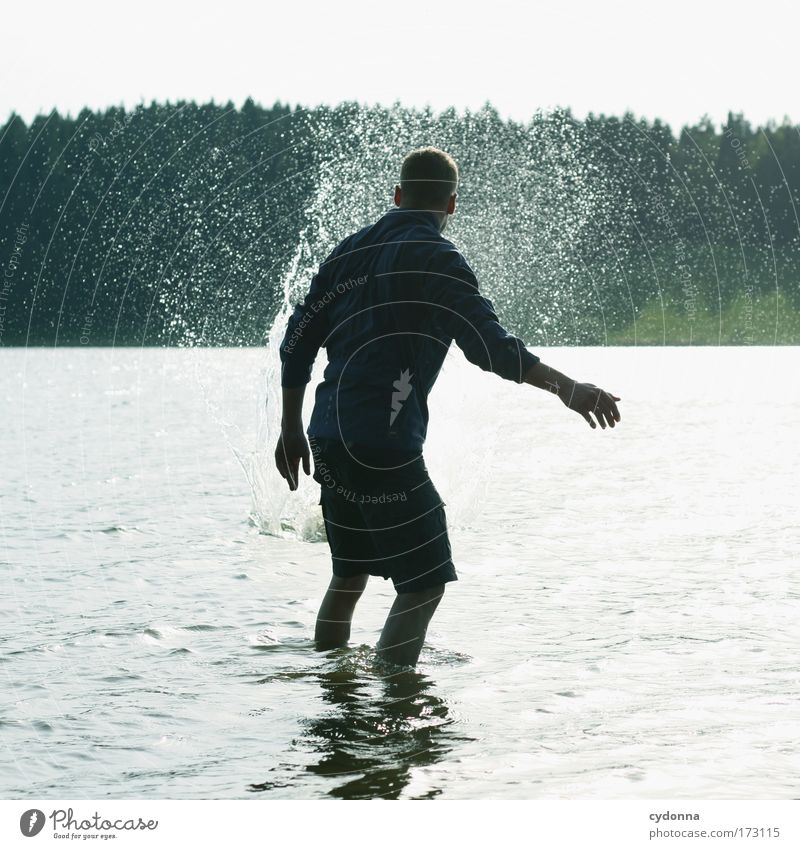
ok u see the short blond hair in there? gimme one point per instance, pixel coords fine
(428, 175)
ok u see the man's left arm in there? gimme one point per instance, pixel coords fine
(470, 319)
(478, 332)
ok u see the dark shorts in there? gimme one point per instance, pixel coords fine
(383, 515)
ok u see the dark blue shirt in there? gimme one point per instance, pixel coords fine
(386, 304)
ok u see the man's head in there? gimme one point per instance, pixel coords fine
(428, 180)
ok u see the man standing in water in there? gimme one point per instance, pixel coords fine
(386, 304)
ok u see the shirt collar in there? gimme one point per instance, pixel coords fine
(422, 215)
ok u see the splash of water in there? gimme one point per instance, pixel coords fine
(530, 201)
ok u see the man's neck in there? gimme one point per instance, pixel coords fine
(440, 215)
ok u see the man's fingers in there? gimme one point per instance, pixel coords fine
(592, 401)
(606, 410)
(609, 405)
(290, 452)
(294, 468)
(280, 462)
(283, 464)
(286, 473)
(598, 411)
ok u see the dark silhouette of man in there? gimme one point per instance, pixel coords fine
(386, 304)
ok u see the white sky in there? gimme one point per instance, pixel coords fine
(674, 60)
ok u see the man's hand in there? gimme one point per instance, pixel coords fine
(292, 447)
(586, 399)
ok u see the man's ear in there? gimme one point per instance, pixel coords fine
(398, 195)
(451, 205)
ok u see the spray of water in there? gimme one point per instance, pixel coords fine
(531, 203)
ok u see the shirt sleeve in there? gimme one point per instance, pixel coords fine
(305, 333)
(470, 319)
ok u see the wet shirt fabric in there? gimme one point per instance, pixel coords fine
(386, 305)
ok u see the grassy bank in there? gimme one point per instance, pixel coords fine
(756, 320)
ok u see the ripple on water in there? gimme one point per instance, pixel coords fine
(272, 640)
(117, 529)
(432, 656)
(119, 678)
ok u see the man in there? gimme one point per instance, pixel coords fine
(386, 304)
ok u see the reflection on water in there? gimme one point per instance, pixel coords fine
(377, 724)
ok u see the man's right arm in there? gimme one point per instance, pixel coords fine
(305, 334)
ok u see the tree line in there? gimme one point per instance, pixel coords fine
(188, 224)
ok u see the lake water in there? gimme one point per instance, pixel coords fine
(625, 624)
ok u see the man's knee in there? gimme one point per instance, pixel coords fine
(423, 600)
(402, 636)
(335, 612)
(353, 584)
(410, 615)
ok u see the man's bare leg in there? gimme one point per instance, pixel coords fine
(406, 625)
(336, 611)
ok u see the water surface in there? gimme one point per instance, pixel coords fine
(625, 624)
